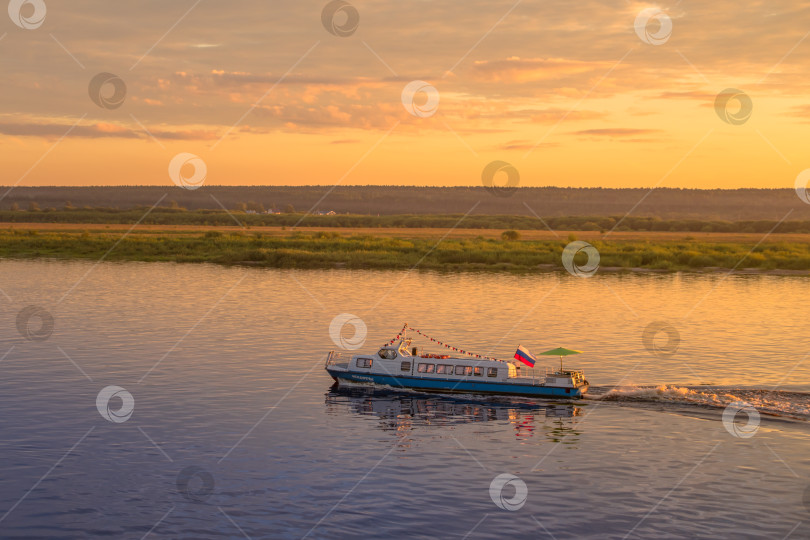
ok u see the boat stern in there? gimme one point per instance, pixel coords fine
(573, 380)
(581, 390)
(336, 364)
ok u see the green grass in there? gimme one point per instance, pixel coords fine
(218, 217)
(330, 249)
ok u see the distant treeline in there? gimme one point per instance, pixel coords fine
(237, 218)
(548, 202)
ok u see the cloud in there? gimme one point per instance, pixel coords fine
(99, 130)
(525, 145)
(95, 131)
(241, 79)
(345, 141)
(800, 111)
(698, 95)
(616, 132)
(299, 116)
(540, 65)
(549, 115)
(521, 70)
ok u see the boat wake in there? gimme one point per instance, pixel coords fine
(774, 403)
(700, 399)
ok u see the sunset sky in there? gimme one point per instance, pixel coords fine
(568, 93)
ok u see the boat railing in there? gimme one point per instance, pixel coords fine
(535, 378)
(335, 358)
(564, 371)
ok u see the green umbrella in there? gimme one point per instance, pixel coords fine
(560, 351)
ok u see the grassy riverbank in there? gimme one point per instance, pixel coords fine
(335, 249)
(169, 216)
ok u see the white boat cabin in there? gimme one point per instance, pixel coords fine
(398, 360)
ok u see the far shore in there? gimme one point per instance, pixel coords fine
(456, 250)
(419, 232)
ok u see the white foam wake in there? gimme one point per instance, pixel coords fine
(770, 402)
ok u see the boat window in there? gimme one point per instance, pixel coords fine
(406, 366)
(387, 354)
(440, 368)
(468, 370)
(364, 362)
(422, 368)
(460, 370)
(492, 372)
(478, 371)
(430, 368)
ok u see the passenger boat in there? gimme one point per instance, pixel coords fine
(398, 365)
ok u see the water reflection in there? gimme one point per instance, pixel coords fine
(404, 412)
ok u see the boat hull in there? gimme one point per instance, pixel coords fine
(456, 386)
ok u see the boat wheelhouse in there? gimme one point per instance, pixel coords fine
(398, 365)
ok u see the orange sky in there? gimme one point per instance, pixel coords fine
(568, 93)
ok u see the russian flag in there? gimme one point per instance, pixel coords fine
(525, 356)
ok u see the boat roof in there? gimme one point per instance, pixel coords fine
(398, 346)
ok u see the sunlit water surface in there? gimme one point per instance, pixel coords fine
(225, 369)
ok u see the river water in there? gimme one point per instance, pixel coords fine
(189, 401)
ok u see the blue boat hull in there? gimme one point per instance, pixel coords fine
(455, 386)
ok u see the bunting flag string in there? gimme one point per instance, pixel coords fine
(401, 334)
